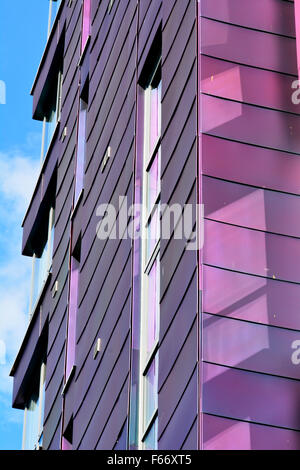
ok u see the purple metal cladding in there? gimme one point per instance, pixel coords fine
(250, 368)
(266, 15)
(248, 47)
(249, 124)
(250, 165)
(228, 434)
(251, 396)
(148, 27)
(46, 64)
(251, 251)
(22, 363)
(249, 346)
(180, 422)
(256, 208)
(39, 197)
(248, 84)
(251, 298)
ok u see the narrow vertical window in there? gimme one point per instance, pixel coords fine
(34, 412)
(150, 284)
(81, 146)
(73, 302)
(86, 23)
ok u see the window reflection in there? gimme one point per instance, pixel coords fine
(52, 117)
(34, 413)
(53, 9)
(150, 441)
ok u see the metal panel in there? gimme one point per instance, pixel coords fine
(173, 388)
(264, 50)
(249, 124)
(251, 207)
(251, 298)
(239, 162)
(266, 15)
(250, 396)
(100, 378)
(248, 84)
(182, 419)
(102, 413)
(250, 251)
(250, 346)
(117, 417)
(228, 434)
(182, 320)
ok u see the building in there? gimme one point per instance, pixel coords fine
(161, 341)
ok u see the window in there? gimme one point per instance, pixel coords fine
(34, 412)
(42, 259)
(81, 142)
(86, 23)
(73, 303)
(150, 263)
(53, 9)
(51, 115)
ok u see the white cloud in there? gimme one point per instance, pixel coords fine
(18, 173)
(17, 176)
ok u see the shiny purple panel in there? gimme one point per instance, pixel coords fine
(267, 15)
(251, 207)
(251, 165)
(228, 434)
(250, 346)
(251, 298)
(250, 251)
(247, 84)
(248, 47)
(250, 124)
(251, 396)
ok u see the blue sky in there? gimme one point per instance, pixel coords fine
(23, 30)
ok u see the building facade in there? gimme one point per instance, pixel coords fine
(164, 229)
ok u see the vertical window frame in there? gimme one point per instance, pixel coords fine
(81, 149)
(72, 310)
(46, 140)
(147, 358)
(41, 404)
